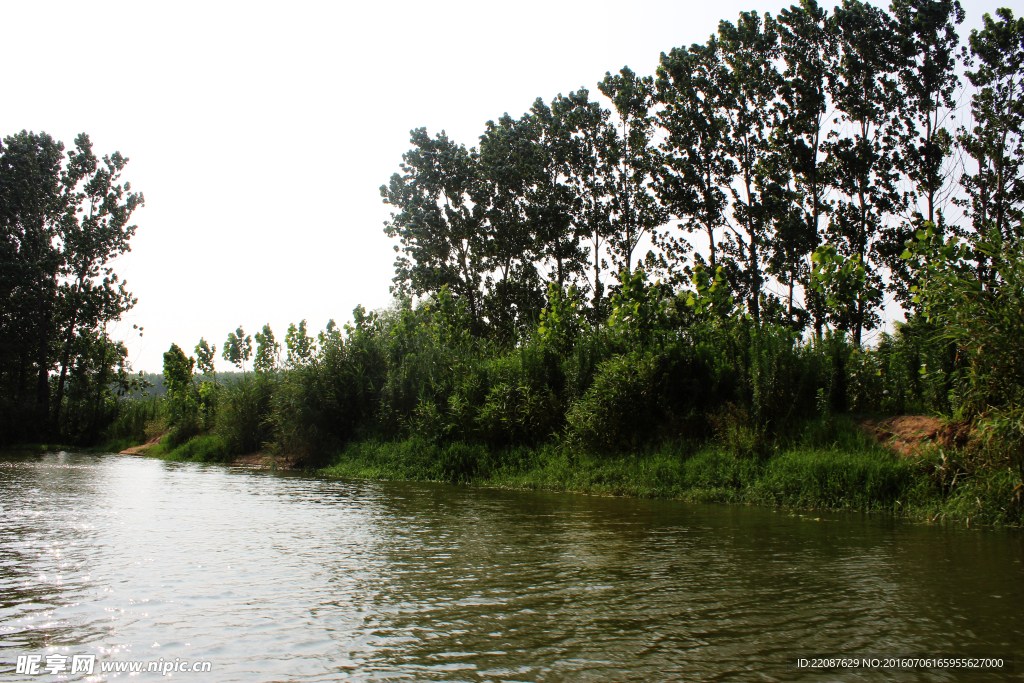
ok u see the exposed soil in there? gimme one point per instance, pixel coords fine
(256, 460)
(141, 450)
(906, 434)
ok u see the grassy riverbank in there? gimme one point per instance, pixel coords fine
(833, 466)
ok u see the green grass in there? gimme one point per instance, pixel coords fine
(830, 465)
(206, 448)
(160, 450)
(203, 448)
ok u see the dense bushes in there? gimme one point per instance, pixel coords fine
(697, 405)
(608, 388)
(132, 417)
(246, 418)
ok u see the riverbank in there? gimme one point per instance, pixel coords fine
(835, 465)
(208, 448)
(897, 465)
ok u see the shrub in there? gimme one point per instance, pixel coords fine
(620, 409)
(133, 414)
(245, 421)
(1002, 432)
(209, 448)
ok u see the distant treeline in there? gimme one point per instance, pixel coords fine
(152, 383)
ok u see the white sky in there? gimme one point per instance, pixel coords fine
(260, 132)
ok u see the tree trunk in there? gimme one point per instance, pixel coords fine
(64, 362)
(66, 355)
(43, 362)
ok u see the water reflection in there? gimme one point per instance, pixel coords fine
(286, 577)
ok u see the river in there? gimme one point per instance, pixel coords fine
(288, 577)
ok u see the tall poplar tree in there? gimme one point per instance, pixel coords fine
(94, 230)
(32, 198)
(696, 173)
(592, 177)
(631, 156)
(862, 152)
(552, 197)
(809, 53)
(926, 31)
(509, 153)
(995, 140)
(439, 221)
(63, 221)
(928, 42)
(750, 49)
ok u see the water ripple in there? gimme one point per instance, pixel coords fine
(285, 577)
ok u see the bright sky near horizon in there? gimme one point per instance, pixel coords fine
(260, 132)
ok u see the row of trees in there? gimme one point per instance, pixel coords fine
(808, 161)
(64, 218)
(796, 155)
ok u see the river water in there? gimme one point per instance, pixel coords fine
(286, 577)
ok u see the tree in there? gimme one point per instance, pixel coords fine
(439, 221)
(553, 200)
(983, 319)
(267, 350)
(809, 51)
(183, 397)
(238, 348)
(995, 142)
(509, 153)
(549, 195)
(32, 197)
(863, 165)
(301, 347)
(592, 177)
(178, 370)
(64, 220)
(630, 155)
(928, 40)
(695, 175)
(749, 49)
(94, 230)
(204, 357)
(925, 31)
(208, 390)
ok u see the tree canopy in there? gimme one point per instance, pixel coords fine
(64, 218)
(781, 153)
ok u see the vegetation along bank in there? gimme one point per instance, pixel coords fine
(792, 180)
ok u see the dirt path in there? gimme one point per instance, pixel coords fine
(141, 450)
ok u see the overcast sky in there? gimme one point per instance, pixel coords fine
(261, 132)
